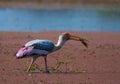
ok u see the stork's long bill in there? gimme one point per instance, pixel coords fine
(77, 38)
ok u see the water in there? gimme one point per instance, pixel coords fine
(62, 19)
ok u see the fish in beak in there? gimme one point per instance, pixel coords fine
(77, 38)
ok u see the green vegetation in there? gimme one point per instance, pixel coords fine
(60, 66)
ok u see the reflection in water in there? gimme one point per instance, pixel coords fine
(45, 20)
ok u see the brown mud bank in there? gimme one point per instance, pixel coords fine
(58, 4)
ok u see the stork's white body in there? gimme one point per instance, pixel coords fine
(41, 47)
(44, 47)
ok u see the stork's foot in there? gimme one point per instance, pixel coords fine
(28, 70)
(46, 71)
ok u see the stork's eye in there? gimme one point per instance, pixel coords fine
(66, 37)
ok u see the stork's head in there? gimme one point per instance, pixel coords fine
(24, 51)
(69, 36)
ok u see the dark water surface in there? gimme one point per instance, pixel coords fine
(61, 19)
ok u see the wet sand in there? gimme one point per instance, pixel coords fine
(98, 64)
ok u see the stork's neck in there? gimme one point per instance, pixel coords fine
(60, 43)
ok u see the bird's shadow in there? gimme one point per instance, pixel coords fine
(57, 72)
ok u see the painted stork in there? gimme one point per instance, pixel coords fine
(36, 48)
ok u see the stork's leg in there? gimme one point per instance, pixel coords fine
(46, 68)
(32, 61)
